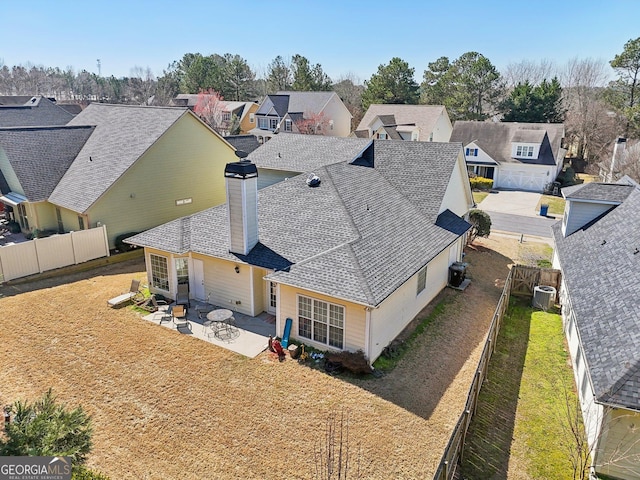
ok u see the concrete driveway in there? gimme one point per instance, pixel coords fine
(512, 202)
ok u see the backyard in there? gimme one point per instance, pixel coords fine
(165, 405)
(519, 430)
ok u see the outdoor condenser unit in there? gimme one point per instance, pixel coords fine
(543, 297)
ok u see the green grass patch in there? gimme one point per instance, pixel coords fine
(479, 196)
(521, 417)
(398, 348)
(546, 381)
(556, 204)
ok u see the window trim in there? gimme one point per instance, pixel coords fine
(288, 125)
(156, 277)
(314, 321)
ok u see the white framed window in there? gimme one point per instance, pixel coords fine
(252, 118)
(159, 272)
(524, 151)
(182, 270)
(287, 125)
(273, 123)
(330, 124)
(320, 321)
(471, 152)
(80, 223)
(263, 123)
(226, 116)
(382, 136)
(422, 280)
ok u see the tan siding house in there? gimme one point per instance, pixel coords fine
(350, 257)
(142, 166)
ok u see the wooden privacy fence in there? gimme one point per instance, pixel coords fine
(42, 254)
(525, 279)
(521, 281)
(453, 451)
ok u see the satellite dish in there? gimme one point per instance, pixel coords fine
(241, 154)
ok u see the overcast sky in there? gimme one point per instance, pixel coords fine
(345, 37)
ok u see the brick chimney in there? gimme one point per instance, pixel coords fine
(241, 179)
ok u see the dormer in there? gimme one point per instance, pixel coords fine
(586, 202)
(526, 143)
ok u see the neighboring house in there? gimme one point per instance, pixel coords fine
(37, 111)
(351, 254)
(597, 249)
(243, 111)
(32, 162)
(320, 112)
(288, 155)
(244, 143)
(422, 123)
(127, 167)
(517, 156)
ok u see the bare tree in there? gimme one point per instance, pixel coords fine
(333, 455)
(349, 88)
(529, 71)
(142, 85)
(621, 449)
(588, 119)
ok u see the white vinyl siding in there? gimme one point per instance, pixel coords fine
(422, 280)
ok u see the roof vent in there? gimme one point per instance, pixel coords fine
(313, 180)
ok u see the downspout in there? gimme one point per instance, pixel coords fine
(367, 331)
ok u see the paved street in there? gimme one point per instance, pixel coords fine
(517, 212)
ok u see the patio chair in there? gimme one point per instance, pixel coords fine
(182, 296)
(152, 304)
(179, 315)
(134, 292)
(204, 309)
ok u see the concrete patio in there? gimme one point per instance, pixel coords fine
(249, 336)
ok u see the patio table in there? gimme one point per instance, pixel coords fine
(222, 318)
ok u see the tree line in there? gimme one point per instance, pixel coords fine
(594, 109)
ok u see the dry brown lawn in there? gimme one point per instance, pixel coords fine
(167, 406)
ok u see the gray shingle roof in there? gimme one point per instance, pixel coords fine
(39, 111)
(422, 116)
(303, 153)
(40, 156)
(496, 138)
(608, 192)
(340, 238)
(245, 143)
(122, 134)
(307, 102)
(602, 273)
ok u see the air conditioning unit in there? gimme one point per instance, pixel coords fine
(543, 297)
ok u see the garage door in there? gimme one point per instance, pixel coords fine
(521, 180)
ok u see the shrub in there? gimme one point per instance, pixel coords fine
(481, 183)
(125, 247)
(355, 362)
(13, 226)
(45, 428)
(481, 224)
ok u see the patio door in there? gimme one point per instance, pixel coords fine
(272, 294)
(198, 280)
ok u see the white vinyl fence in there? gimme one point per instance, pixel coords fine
(42, 254)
